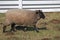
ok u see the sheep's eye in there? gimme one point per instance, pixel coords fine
(36, 12)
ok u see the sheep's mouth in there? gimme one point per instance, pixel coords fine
(43, 17)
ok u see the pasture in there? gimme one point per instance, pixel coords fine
(49, 29)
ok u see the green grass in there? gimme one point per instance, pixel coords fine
(52, 32)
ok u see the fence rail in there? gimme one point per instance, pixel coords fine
(41, 2)
(46, 6)
(5, 5)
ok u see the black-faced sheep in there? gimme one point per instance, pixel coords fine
(22, 17)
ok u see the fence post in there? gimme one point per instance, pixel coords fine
(20, 4)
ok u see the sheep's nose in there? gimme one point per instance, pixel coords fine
(44, 17)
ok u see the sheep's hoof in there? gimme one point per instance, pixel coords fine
(4, 31)
(12, 30)
(37, 31)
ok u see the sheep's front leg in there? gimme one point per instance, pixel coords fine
(35, 28)
(4, 28)
(13, 27)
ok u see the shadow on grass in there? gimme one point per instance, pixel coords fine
(25, 28)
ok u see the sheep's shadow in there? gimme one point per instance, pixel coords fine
(25, 28)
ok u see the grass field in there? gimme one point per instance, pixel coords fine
(49, 29)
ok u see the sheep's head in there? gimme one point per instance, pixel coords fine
(40, 13)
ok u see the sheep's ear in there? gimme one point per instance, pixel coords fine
(38, 11)
(41, 11)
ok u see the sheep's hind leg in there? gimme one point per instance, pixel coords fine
(13, 27)
(35, 28)
(4, 28)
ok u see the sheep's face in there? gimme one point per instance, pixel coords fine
(40, 13)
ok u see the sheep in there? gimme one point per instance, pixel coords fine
(22, 17)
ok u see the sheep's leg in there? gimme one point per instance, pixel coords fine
(4, 28)
(35, 28)
(12, 27)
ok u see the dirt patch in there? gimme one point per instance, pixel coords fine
(55, 21)
(54, 24)
(46, 39)
(57, 37)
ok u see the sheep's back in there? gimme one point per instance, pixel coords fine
(21, 17)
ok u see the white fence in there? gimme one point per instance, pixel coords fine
(46, 6)
(6, 5)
